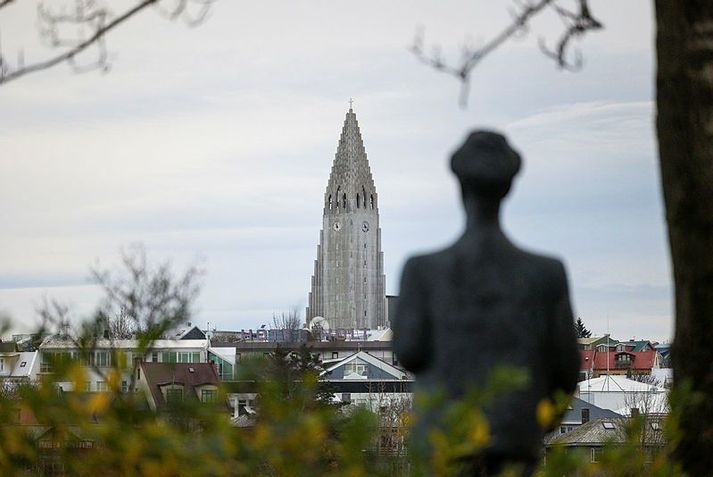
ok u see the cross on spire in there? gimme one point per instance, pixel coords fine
(351, 101)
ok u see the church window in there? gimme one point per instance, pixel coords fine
(337, 196)
(358, 203)
(344, 200)
(330, 202)
(371, 200)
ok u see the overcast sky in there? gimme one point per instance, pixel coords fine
(215, 144)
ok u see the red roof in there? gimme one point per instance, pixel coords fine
(639, 361)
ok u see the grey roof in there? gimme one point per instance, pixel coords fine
(602, 431)
(574, 412)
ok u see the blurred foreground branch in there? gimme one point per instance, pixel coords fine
(577, 22)
(85, 27)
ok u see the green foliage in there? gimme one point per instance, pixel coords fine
(580, 329)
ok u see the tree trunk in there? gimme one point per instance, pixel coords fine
(684, 124)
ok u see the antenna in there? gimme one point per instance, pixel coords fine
(608, 350)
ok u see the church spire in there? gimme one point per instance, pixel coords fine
(348, 285)
(350, 180)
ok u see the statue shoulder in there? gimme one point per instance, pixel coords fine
(425, 264)
(547, 267)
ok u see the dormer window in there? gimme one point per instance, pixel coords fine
(173, 394)
(209, 395)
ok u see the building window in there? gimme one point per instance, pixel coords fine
(595, 454)
(344, 201)
(329, 202)
(209, 395)
(154, 357)
(23, 364)
(358, 203)
(188, 357)
(2, 364)
(346, 398)
(371, 200)
(335, 355)
(88, 386)
(101, 359)
(174, 395)
(124, 386)
(355, 367)
(101, 386)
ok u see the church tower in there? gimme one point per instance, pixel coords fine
(348, 285)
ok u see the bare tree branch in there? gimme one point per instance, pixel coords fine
(98, 21)
(576, 25)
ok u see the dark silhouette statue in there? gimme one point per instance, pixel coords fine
(484, 303)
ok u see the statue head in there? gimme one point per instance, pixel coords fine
(485, 165)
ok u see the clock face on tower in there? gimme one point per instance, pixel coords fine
(365, 226)
(337, 226)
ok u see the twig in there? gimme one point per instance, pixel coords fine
(576, 23)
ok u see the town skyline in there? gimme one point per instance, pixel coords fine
(229, 161)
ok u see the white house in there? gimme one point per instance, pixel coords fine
(107, 354)
(620, 394)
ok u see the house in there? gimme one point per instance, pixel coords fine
(593, 341)
(189, 332)
(166, 384)
(17, 367)
(620, 394)
(580, 412)
(363, 379)
(227, 349)
(124, 354)
(592, 437)
(53, 445)
(620, 359)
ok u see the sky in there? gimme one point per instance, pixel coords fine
(213, 145)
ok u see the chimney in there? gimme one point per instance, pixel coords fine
(585, 415)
